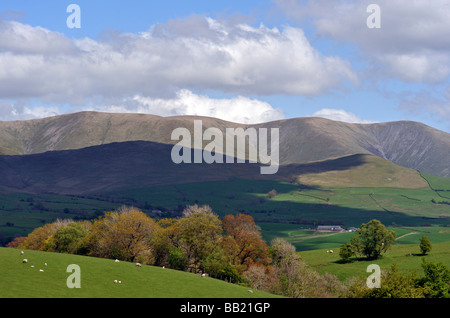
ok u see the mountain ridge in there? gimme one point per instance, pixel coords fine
(302, 140)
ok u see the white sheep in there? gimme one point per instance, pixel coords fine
(24, 260)
(21, 252)
(138, 264)
(117, 261)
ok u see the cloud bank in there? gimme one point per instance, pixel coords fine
(412, 44)
(160, 69)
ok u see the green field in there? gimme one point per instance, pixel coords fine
(307, 239)
(20, 213)
(406, 256)
(97, 276)
(293, 205)
(349, 206)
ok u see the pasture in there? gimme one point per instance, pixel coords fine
(292, 205)
(97, 276)
(406, 256)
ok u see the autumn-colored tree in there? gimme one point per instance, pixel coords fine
(16, 242)
(123, 235)
(37, 238)
(263, 277)
(245, 239)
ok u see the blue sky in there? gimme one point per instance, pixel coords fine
(247, 61)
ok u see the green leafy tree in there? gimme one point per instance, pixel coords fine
(394, 284)
(67, 239)
(372, 240)
(177, 259)
(199, 235)
(425, 245)
(436, 280)
(345, 252)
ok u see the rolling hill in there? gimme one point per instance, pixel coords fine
(21, 280)
(302, 140)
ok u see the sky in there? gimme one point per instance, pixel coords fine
(247, 61)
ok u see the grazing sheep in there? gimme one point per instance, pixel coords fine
(21, 252)
(331, 251)
(117, 261)
(203, 275)
(250, 291)
(138, 264)
(115, 281)
(24, 260)
(41, 270)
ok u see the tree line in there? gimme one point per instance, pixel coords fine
(230, 249)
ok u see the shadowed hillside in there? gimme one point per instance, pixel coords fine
(139, 164)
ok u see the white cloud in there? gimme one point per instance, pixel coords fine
(339, 115)
(426, 103)
(412, 44)
(239, 109)
(10, 110)
(195, 53)
(21, 38)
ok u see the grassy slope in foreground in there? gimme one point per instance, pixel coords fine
(20, 280)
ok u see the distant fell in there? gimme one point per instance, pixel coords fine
(302, 140)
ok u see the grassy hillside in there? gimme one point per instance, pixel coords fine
(406, 256)
(306, 239)
(97, 279)
(364, 171)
